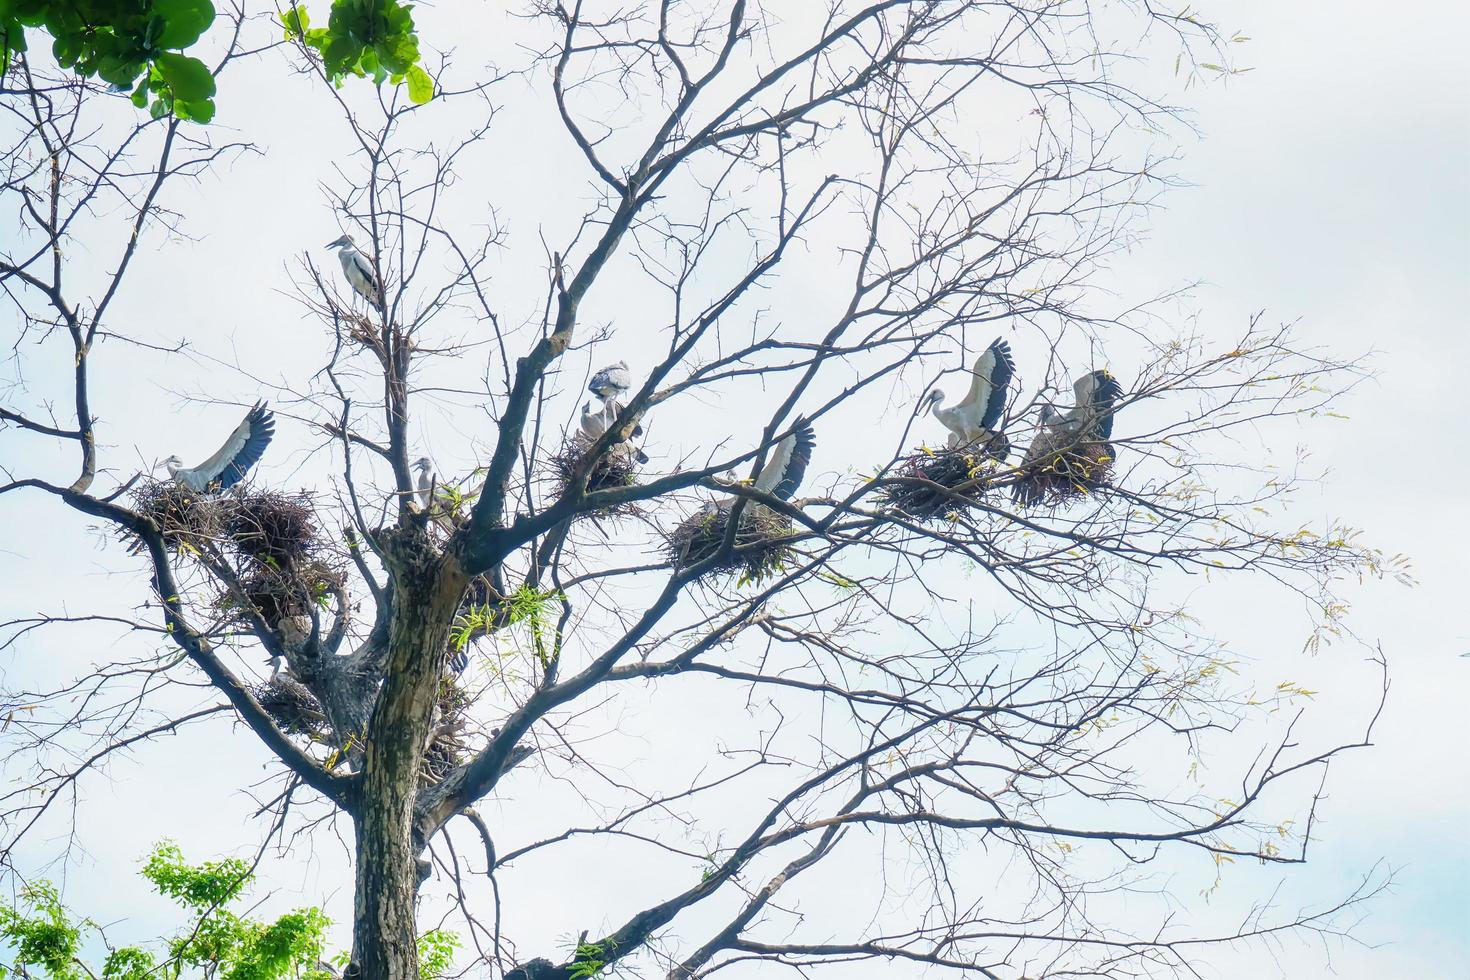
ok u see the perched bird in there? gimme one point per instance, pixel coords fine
(1071, 454)
(425, 481)
(358, 270)
(783, 472)
(594, 425)
(1091, 418)
(611, 381)
(228, 467)
(975, 419)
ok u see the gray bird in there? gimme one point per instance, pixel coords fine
(611, 381)
(229, 465)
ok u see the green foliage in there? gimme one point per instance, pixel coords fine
(199, 887)
(588, 961)
(139, 45)
(436, 953)
(38, 933)
(366, 39)
(41, 933)
(127, 43)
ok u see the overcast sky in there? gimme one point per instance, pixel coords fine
(1329, 186)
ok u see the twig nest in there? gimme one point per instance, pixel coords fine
(293, 708)
(282, 596)
(184, 518)
(271, 527)
(931, 482)
(761, 547)
(1057, 476)
(618, 467)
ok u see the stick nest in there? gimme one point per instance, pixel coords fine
(1064, 475)
(263, 525)
(941, 481)
(183, 517)
(282, 594)
(761, 547)
(293, 708)
(617, 468)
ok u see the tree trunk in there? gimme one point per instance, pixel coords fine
(428, 589)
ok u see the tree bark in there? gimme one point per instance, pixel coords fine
(427, 591)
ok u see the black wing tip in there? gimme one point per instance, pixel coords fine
(1107, 387)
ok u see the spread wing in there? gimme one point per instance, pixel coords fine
(1096, 394)
(784, 471)
(241, 450)
(993, 371)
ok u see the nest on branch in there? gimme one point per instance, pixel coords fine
(183, 517)
(1058, 475)
(618, 467)
(281, 595)
(761, 547)
(273, 528)
(931, 482)
(264, 526)
(293, 708)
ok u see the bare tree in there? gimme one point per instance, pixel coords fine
(815, 228)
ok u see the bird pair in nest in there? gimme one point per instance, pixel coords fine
(1072, 449)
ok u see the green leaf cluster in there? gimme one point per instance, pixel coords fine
(133, 44)
(39, 933)
(140, 45)
(366, 39)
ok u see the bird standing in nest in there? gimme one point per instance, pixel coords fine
(233, 460)
(1072, 449)
(976, 420)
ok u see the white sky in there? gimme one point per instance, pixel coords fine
(1330, 185)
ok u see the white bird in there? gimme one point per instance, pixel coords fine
(228, 467)
(611, 381)
(975, 419)
(783, 472)
(358, 270)
(426, 480)
(595, 424)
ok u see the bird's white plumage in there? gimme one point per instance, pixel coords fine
(228, 465)
(611, 381)
(426, 478)
(357, 270)
(787, 464)
(974, 419)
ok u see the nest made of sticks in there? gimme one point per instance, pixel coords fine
(293, 708)
(617, 468)
(280, 593)
(273, 528)
(931, 482)
(183, 517)
(1058, 476)
(266, 526)
(761, 547)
